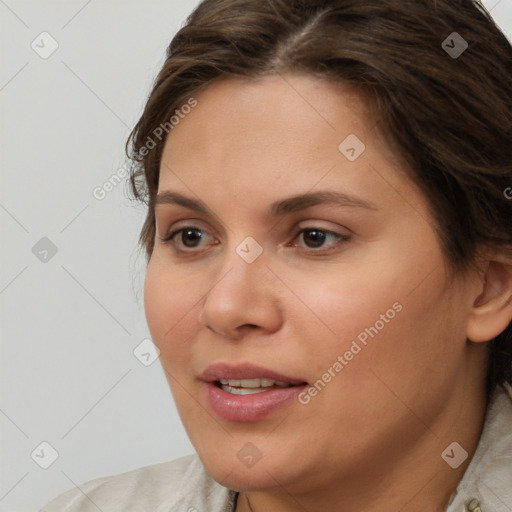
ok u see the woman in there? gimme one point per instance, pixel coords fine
(329, 243)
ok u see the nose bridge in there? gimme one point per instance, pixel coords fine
(242, 295)
(243, 268)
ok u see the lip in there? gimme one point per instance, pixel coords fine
(253, 407)
(245, 371)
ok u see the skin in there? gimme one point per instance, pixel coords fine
(372, 438)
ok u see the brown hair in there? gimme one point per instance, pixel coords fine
(450, 116)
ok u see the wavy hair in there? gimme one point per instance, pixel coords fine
(449, 116)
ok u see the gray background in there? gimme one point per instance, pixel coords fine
(71, 320)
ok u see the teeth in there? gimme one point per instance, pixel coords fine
(242, 391)
(253, 384)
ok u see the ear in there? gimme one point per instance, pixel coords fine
(491, 312)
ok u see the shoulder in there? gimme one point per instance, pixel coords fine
(488, 477)
(181, 484)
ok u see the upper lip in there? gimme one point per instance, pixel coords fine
(242, 371)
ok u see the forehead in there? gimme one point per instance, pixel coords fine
(282, 132)
(274, 111)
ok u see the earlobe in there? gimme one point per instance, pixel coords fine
(492, 309)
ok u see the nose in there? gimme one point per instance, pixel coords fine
(242, 300)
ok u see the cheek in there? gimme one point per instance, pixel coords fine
(340, 305)
(394, 316)
(338, 314)
(428, 336)
(171, 303)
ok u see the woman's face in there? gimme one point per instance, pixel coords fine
(347, 293)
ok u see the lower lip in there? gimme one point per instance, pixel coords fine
(252, 407)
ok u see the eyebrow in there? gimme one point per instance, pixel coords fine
(277, 209)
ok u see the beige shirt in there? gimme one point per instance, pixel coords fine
(183, 485)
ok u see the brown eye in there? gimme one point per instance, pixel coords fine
(189, 237)
(315, 238)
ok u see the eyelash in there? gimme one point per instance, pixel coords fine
(169, 239)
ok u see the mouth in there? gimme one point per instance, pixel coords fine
(247, 392)
(251, 386)
(247, 378)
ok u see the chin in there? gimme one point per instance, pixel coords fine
(231, 472)
(243, 479)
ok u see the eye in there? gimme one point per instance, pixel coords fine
(316, 238)
(190, 236)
